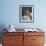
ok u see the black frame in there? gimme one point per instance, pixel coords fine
(22, 10)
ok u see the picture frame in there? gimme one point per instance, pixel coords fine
(26, 13)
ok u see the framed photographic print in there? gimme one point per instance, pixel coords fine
(26, 13)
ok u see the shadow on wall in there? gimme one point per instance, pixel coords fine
(2, 26)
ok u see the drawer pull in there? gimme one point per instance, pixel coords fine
(33, 39)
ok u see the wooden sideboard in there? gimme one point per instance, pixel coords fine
(23, 38)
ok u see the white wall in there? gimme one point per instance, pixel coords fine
(10, 13)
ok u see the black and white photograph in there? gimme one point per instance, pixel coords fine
(26, 13)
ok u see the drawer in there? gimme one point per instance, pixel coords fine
(12, 44)
(27, 37)
(37, 44)
(27, 41)
(12, 39)
(34, 33)
(13, 33)
(37, 39)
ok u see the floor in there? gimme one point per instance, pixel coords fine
(0, 44)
